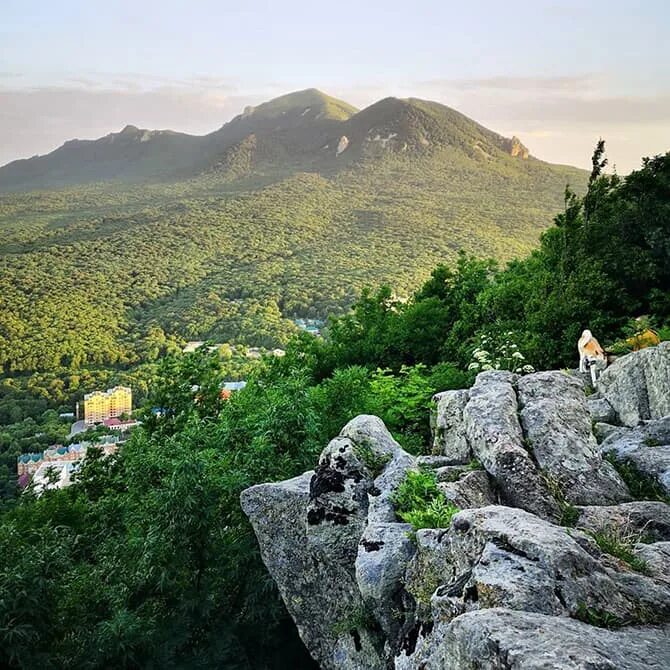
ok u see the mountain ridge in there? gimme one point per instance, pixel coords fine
(304, 130)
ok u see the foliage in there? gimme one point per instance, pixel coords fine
(420, 502)
(595, 616)
(620, 542)
(640, 485)
(501, 355)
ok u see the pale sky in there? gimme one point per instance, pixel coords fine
(557, 74)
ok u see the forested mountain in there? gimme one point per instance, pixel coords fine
(288, 210)
(306, 130)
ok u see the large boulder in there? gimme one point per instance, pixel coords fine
(503, 639)
(646, 447)
(449, 438)
(383, 554)
(470, 489)
(503, 557)
(495, 436)
(637, 385)
(557, 428)
(644, 519)
(386, 460)
(321, 595)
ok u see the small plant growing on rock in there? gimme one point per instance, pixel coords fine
(420, 502)
(372, 460)
(640, 485)
(620, 542)
(597, 617)
(503, 354)
(569, 513)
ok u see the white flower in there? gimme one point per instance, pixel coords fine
(519, 355)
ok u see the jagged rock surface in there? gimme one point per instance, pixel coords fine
(637, 386)
(647, 447)
(502, 639)
(557, 425)
(505, 586)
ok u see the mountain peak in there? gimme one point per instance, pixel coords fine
(309, 102)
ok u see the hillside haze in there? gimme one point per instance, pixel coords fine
(288, 210)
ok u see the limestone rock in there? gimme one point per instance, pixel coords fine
(497, 639)
(557, 426)
(320, 595)
(342, 145)
(638, 385)
(647, 447)
(338, 502)
(600, 410)
(372, 439)
(503, 557)
(449, 435)
(495, 436)
(649, 518)
(472, 489)
(657, 558)
(383, 554)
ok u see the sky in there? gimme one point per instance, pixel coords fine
(559, 75)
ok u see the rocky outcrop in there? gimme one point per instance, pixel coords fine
(549, 563)
(504, 639)
(637, 386)
(646, 448)
(557, 427)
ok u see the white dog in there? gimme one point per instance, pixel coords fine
(591, 355)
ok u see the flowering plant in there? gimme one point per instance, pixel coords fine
(501, 355)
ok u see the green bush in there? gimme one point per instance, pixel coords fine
(419, 501)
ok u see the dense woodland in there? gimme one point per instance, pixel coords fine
(98, 282)
(148, 561)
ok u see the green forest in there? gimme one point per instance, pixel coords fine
(147, 561)
(98, 282)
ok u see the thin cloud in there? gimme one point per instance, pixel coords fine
(562, 83)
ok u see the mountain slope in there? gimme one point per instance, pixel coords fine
(288, 210)
(302, 131)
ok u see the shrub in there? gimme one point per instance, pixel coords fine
(420, 502)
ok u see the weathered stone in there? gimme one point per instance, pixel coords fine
(600, 410)
(638, 385)
(320, 594)
(451, 473)
(472, 489)
(646, 446)
(504, 557)
(648, 518)
(496, 439)
(557, 427)
(369, 435)
(338, 502)
(435, 462)
(503, 639)
(602, 431)
(383, 554)
(449, 437)
(657, 558)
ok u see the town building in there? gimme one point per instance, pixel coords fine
(109, 404)
(54, 467)
(117, 424)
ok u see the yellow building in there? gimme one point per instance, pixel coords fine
(112, 403)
